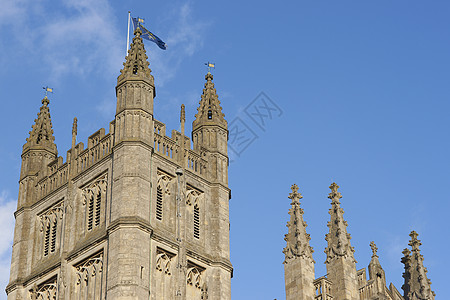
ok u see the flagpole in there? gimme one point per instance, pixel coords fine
(128, 33)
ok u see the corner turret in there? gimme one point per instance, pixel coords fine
(209, 112)
(40, 148)
(210, 133)
(135, 93)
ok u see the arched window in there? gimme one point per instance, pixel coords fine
(50, 222)
(162, 189)
(94, 197)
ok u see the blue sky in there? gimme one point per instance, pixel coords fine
(362, 96)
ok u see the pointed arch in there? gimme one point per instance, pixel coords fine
(162, 189)
(94, 199)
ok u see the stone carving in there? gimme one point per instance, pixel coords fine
(50, 222)
(136, 61)
(193, 196)
(209, 109)
(204, 292)
(338, 239)
(417, 286)
(162, 189)
(46, 291)
(163, 262)
(89, 278)
(93, 197)
(297, 240)
(194, 277)
(42, 132)
(374, 249)
(164, 182)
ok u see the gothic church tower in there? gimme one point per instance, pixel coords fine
(134, 215)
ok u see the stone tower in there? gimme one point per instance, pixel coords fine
(343, 281)
(134, 215)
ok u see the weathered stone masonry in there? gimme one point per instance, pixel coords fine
(135, 215)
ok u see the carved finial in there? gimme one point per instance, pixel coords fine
(41, 134)
(334, 195)
(295, 196)
(45, 101)
(209, 110)
(136, 64)
(406, 252)
(414, 243)
(74, 126)
(374, 249)
(183, 113)
(74, 132)
(138, 31)
(182, 121)
(338, 239)
(297, 240)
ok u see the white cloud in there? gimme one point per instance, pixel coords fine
(80, 37)
(73, 37)
(7, 208)
(85, 41)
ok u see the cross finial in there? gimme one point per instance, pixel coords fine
(374, 249)
(295, 196)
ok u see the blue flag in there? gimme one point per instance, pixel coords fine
(148, 35)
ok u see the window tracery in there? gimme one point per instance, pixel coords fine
(50, 223)
(89, 278)
(45, 291)
(163, 262)
(94, 197)
(194, 277)
(162, 189)
(194, 198)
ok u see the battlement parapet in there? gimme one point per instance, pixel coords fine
(100, 145)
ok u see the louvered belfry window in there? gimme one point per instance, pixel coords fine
(50, 222)
(159, 203)
(196, 222)
(94, 201)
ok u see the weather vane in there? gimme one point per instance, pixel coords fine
(47, 90)
(210, 65)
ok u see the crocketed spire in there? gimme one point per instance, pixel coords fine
(136, 64)
(209, 111)
(297, 239)
(338, 239)
(41, 134)
(417, 286)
